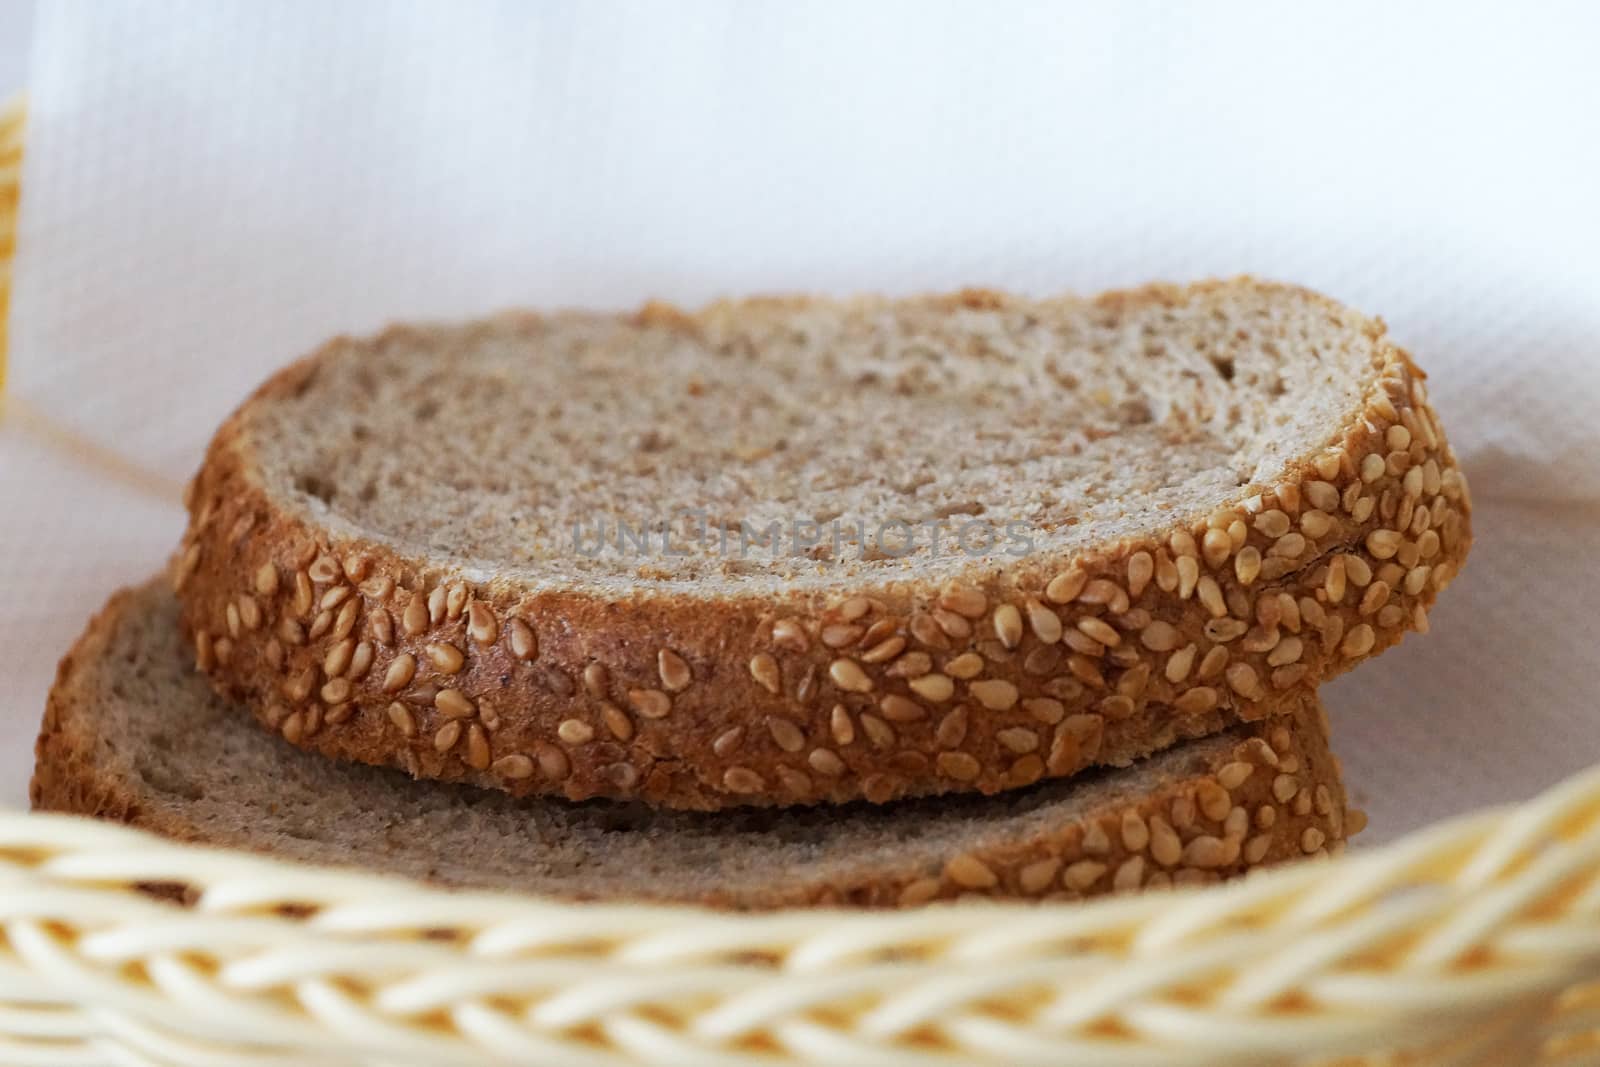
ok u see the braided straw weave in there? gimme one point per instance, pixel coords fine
(1467, 944)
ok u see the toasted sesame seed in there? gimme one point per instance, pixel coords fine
(1358, 642)
(1216, 547)
(727, 741)
(1008, 625)
(222, 650)
(1045, 624)
(842, 634)
(325, 569)
(952, 624)
(377, 588)
(382, 626)
(454, 703)
(1160, 636)
(456, 601)
(1100, 631)
(1255, 849)
(918, 892)
(897, 708)
(1272, 524)
(478, 754)
(764, 669)
(231, 616)
(884, 650)
(338, 658)
(1377, 596)
(481, 624)
(1287, 651)
(1284, 788)
(1129, 875)
(840, 726)
(293, 727)
(621, 775)
(1037, 876)
(964, 600)
(1135, 834)
(1018, 739)
(651, 703)
(291, 632)
(1213, 663)
(445, 657)
(965, 666)
(1224, 630)
(596, 679)
(674, 672)
(848, 675)
(1182, 812)
(1242, 679)
(1180, 663)
(1383, 544)
(414, 620)
(1312, 839)
(335, 691)
(1205, 853)
(524, 645)
(616, 721)
(958, 765)
(1372, 467)
(1211, 596)
(274, 653)
(1083, 874)
(515, 767)
(297, 687)
(1165, 848)
(335, 596)
(1196, 700)
(575, 732)
(403, 720)
(996, 694)
(969, 872)
(935, 687)
(880, 733)
(1066, 586)
(346, 620)
(1213, 799)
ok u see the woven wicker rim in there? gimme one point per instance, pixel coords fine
(1467, 943)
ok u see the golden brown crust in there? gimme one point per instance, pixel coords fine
(363, 653)
(1272, 796)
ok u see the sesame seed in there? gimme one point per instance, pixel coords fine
(1018, 739)
(1116, 706)
(222, 650)
(897, 708)
(1165, 848)
(1213, 663)
(1182, 543)
(1160, 636)
(403, 720)
(445, 657)
(1287, 651)
(338, 658)
(274, 653)
(1273, 524)
(1205, 853)
(334, 597)
(965, 666)
(1098, 630)
(1182, 812)
(1372, 467)
(1180, 663)
(297, 687)
(437, 605)
(1362, 509)
(515, 767)
(764, 669)
(674, 672)
(1216, 547)
(378, 588)
(266, 580)
(880, 733)
(1135, 834)
(616, 721)
(884, 650)
(1377, 596)
(1357, 571)
(1046, 624)
(958, 765)
(1105, 592)
(1255, 849)
(291, 632)
(1284, 788)
(621, 775)
(1211, 596)
(454, 703)
(1083, 874)
(1383, 544)
(382, 626)
(361, 662)
(651, 703)
(293, 727)
(1215, 804)
(575, 732)
(481, 624)
(727, 741)
(1224, 630)
(346, 621)
(553, 762)
(1324, 496)
(995, 694)
(1188, 576)
(414, 620)
(848, 675)
(325, 569)
(1141, 568)
(842, 635)
(1242, 679)
(840, 726)
(1247, 564)
(478, 753)
(1045, 709)
(918, 892)
(1037, 876)
(964, 600)
(1008, 625)
(935, 687)
(952, 624)
(524, 645)
(335, 691)
(1358, 642)
(1196, 700)
(1024, 771)
(1312, 839)
(1233, 775)
(1129, 875)
(231, 615)
(825, 762)
(969, 872)
(1066, 586)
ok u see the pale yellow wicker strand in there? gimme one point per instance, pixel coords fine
(1450, 947)
(1473, 944)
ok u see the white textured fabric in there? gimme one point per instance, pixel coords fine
(212, 188)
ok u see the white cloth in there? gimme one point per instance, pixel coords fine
(214, 187)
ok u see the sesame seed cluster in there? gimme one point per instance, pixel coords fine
(986, 683)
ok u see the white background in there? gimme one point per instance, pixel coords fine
(214, 187)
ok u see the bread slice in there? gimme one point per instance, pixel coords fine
(1182, 508)
(131, 733)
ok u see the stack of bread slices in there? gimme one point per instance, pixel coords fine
(783, 602)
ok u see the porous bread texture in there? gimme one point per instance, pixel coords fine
(1240, 490)
(131, 733)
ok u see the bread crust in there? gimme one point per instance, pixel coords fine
(1271, 796)
(360, 652)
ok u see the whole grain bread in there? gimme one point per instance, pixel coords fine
(132, 733)
(1199, 502)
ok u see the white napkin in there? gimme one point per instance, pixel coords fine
(212, 188)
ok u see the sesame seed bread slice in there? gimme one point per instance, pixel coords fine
(1203, 501)
(131, 733)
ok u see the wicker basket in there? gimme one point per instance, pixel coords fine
(1467, 944)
